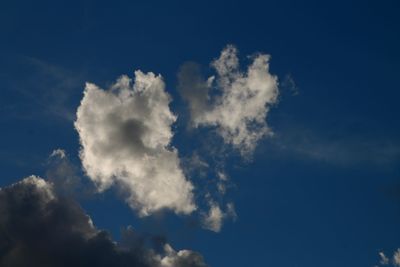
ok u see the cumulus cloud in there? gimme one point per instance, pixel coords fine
(40, 228)
(125, 134)
(233, 101)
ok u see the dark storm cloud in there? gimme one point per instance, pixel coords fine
(38, 228)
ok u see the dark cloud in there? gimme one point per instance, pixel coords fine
(39, 228)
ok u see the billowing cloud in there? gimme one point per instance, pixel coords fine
(40, 228)
(125, 133)
(235, 102)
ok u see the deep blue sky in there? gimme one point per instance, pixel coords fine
(324, 192)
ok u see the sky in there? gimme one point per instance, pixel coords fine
(199, 133)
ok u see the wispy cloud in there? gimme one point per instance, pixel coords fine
(47, 89)
(334, 146)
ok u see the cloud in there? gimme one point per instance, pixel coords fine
(194, 165)
(396, 257)
(181, 258)
(337, 146)
(58, 153)
(214, 218)
(235, 102)
(39, 228)
(41, 89)
(393, 261)
(289, 84)
(221, 184)
(125, 134)
(384, 260)
(65, 177)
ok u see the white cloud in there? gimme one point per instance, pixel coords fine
(222, 176)
(60, 153)
(393, 261)
(213, 220)
(235, 102)
(181, 258)
(125, 134)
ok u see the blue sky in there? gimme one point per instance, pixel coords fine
(323, 191)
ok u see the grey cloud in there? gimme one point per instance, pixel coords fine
(38, 228)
